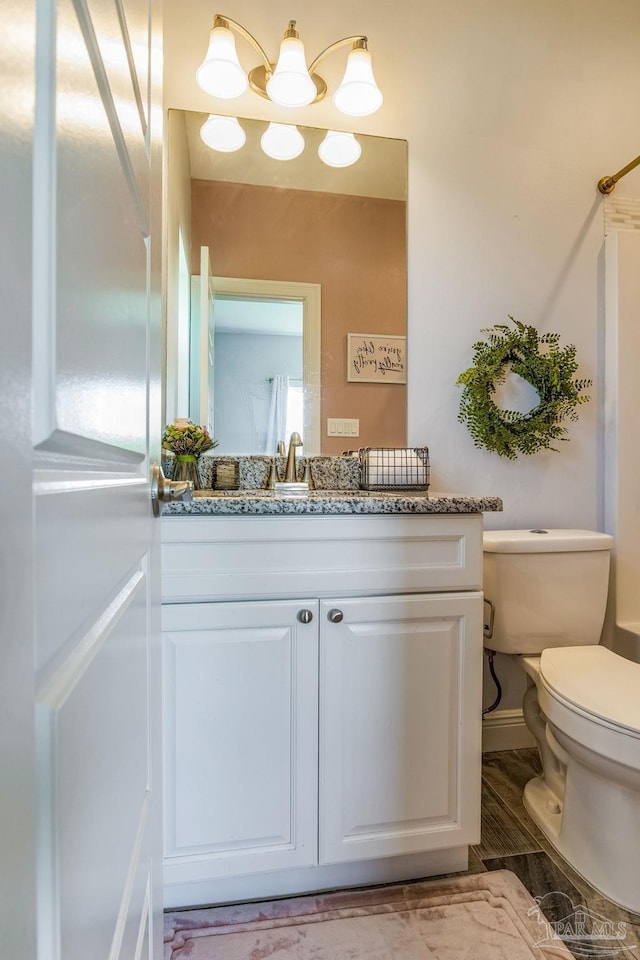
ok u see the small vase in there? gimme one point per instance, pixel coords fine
(186, 468)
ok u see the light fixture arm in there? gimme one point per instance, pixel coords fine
(360, 42)
(220, 20)
(608, 184)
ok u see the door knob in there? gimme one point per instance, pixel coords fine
(305, 616)
(335, 616)
(166, 491)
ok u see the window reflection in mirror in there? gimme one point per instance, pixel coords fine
(340, 231)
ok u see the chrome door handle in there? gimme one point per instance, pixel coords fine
(335, 616)
(305, 616)
(166, 491)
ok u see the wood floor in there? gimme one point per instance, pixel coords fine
(512, 841)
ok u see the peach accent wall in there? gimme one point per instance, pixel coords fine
(355, 247)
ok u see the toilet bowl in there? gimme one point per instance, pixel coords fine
(582, 702)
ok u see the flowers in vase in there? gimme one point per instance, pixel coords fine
(184, 438)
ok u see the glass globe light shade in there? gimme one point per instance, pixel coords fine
(222, 133)
(220, 73)
(290, 84)
(358, 95)
(339, 149)
(282, 141)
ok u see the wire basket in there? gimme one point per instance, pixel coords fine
(394, 468)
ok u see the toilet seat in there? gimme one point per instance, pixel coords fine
(599, 684)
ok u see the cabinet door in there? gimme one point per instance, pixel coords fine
(400, 713)
(241, 716)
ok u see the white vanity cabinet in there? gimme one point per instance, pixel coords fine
(320, 730)
(241, 737)
(397, 679)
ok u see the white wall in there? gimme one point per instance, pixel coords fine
(522, 106)
(513, 110)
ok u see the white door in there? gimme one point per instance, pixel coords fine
(241, 735)
(399, 745)
(79, 373)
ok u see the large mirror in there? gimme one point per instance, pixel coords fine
(282, 278)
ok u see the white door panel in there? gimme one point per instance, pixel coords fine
(241, 698)
(79, 523)
(110, 52)
(100, 778)
(17, 740)
(100, 326)
(135, 14)
(398, 676)
(90, 833)
(135, 942)
(388, 714)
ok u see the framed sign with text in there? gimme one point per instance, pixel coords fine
(375, 359)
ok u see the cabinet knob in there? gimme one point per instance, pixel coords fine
(335, 616)
(305, 616)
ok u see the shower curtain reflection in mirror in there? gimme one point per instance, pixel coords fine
(277, 418)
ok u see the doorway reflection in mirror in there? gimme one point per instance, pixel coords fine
(257, 372)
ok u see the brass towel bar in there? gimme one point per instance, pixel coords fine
(608, 184)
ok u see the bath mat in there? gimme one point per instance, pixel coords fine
(485, 916)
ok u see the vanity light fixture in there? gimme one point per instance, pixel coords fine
(282, 141)
(358, 95)
(221, 73)
(339, 149)
(289, 82)
(223, 133)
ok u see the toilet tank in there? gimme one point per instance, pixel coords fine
(549, 588)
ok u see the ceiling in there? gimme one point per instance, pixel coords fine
(254, 315)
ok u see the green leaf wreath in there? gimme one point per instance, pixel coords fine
(538, 359)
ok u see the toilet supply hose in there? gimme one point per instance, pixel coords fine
(492, 670)
(487, 630)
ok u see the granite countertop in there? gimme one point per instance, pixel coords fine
(326, 502)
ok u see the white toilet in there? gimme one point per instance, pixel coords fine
(582, 704)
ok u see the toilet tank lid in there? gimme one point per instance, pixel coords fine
(545, 540)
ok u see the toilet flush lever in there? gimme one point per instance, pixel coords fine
(487, 628)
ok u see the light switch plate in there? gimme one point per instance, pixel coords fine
(340, 427)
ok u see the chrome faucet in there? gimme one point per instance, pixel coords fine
(290, 475)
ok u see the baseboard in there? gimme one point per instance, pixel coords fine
(333, 876)
(505, 730)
